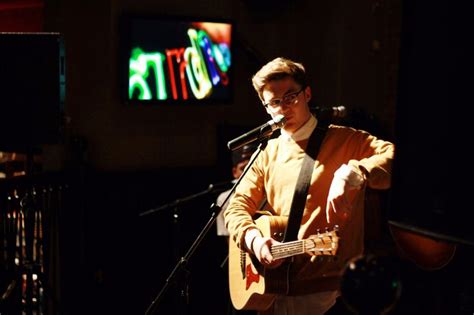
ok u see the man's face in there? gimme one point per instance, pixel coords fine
(295, 111)
(238, 169)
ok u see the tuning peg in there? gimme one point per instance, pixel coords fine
(278, 236)
(336, 227)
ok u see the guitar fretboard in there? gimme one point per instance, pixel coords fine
(288, 249)
(317, 246)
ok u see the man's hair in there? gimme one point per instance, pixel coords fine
(243, 153)
(277, 69)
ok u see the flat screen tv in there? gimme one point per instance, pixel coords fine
(176, 60)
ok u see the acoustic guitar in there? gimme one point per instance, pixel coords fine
(254, 287)
(427, 253)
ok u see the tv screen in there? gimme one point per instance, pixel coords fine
(176, 60)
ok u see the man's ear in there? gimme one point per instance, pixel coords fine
(307, 93)
(234, 172)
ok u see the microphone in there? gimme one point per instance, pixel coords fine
(258, 133)
(329, 113)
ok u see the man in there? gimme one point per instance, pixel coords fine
(240, 159)
(348, 161)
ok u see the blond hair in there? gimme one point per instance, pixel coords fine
(277, 69)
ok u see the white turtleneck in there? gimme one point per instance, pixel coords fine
(303, 132)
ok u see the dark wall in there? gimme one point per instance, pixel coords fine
(349, 49)
(429, 117)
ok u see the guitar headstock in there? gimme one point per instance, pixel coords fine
(323, 243)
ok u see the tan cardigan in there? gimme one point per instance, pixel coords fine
(275, 173)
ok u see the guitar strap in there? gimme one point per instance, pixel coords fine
(302, 185)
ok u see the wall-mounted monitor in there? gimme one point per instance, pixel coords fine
(176, 60)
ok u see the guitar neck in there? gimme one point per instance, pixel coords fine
(288, 249)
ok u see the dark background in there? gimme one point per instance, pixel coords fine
(121, 160)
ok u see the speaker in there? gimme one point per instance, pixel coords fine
(433, 171)
(32, 90)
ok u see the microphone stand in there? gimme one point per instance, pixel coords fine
(175, 206)
(183, 261)
(177, 202)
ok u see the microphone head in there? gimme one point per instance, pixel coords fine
(330, 114)
(340, 112)
(280, 121)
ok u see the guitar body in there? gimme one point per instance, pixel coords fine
(253, 287)
(425, 252)
(249, 282)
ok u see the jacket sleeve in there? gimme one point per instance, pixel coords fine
(375, 157)
(245, 202)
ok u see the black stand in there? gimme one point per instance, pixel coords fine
(183, 297)
(178, 202)
(183, 261)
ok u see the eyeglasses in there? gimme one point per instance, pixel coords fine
(288, 99)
